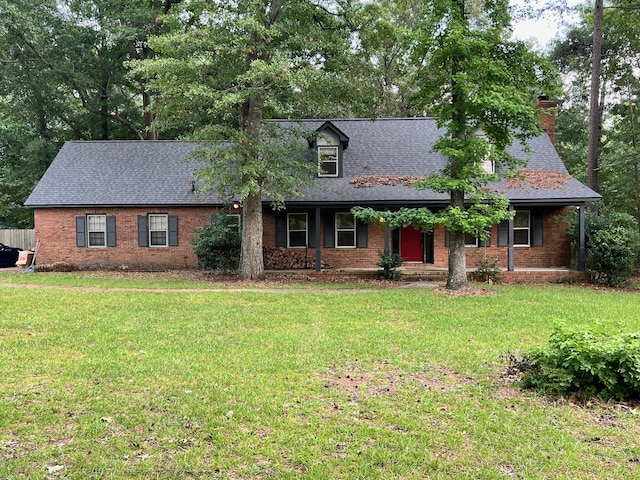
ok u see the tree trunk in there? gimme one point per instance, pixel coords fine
(251, 261)
(457, 274)
(251, 256)
(151, 133)
(595, 122)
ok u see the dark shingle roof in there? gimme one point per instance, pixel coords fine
(121, 173)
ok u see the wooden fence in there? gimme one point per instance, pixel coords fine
(24, 239)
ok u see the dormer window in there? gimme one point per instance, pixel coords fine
(329, 145)
(489, 166)
(328, 161)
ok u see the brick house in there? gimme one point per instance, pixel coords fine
(134, 204)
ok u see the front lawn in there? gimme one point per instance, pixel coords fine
(117, 383)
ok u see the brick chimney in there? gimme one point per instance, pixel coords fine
(547, 116)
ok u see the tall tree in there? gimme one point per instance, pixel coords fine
(595, 118)
(610, 157)
(223, 67)
(481, 88)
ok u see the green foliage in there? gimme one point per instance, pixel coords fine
(389, 262)
(612, 243)
(488, 270)
(588, 361)
(275, 164)
(619, 146)
(217, 245)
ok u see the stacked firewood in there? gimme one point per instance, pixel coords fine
(289, 259)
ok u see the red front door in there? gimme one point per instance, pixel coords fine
(411, 245)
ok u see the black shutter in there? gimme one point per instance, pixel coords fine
(281, 229)
(362, 234)
(311, 230)
(537, 224)
(503, 233)
(81, 231)
(173, 231)
(111, 231)
(143, 233)
(329, 227)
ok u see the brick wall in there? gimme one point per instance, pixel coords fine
(555, 251)
(56, 229)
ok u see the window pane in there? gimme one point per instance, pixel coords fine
(521, 237)
(157, 222)
(328, 154)
(298, 239)
(96, 239)
(159, 238)
(297, 221)
(346, 239)
(329, 168)
(344, 220)
(521, 220)
(96, 222)
(470, 240)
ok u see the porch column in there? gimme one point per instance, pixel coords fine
(511, 260)
(386, 239)
(318, 254)
(582, 249)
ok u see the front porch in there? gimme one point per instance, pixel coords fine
(427, 273)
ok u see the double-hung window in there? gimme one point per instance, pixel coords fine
(328, 161)
(522, 228)
(345, 230)
(97, 231)
(234, 222)
(158, 230)
(297, 230)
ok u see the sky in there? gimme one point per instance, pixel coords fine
(543, 30)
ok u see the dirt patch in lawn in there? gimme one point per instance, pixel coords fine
(383, 379)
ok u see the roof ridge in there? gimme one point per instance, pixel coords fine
(348, 119)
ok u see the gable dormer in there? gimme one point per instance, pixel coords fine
(328, 144)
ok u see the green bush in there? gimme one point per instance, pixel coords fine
(587, 361)
(389, 262)
(612, 243)
(488, 270)
(217, 245)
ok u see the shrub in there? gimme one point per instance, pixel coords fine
(389, 262)
(586, 361)
(217, 245)
(488, 270)
(612, 243)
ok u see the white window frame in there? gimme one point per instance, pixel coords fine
(335, 152)
(338, 230)
(527, 229)
(471, 245)
(91, 229)
(237, 225)
(290, 230)
(152, 230)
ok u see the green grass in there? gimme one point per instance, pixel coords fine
(318, 384)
